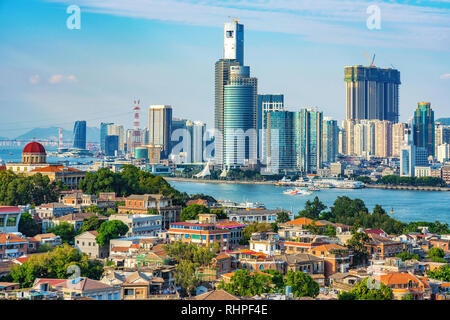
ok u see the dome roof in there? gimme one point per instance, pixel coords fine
(34, 147)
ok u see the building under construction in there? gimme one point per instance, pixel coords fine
(372, 93)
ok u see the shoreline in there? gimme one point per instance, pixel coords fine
(369, 186)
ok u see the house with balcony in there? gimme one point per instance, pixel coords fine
(336, 257)
(12, 246)
(255, 261)
(381, 247)
(48, 239)
(161, 205)
(140, 224)
(255, 215)
(298, 227)
(303, 243)
(266, 242)
(403, 283)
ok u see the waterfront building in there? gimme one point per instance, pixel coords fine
(423, 131)
(330, 142)
(256, 215)
(198, 141)
(79, 135)
(410, 157)
(111, 145)
(160, 127)
(372, 93)
(441, 135)
(398, 137)
(383, 139)
(443, 153)
(118, 130)
(310, 140)
(282, 140)
(103, 134)
(266, 103)
(142, 204)
(240, 103)
(9, 218)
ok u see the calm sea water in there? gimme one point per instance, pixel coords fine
(15, 155)
(407, 205)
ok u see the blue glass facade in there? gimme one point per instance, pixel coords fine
(424, 127)
(79, 135)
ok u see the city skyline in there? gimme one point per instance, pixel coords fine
(43, 82)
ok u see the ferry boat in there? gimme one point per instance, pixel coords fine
(296, 191)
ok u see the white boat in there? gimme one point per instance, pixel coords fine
(297, 191)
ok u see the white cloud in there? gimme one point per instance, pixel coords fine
(58, 78)
(34, 79)
(402, 25)
(445, 76)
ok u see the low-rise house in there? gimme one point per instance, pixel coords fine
(9, 286)
(336, 258)
(81, 201)
(405, 283)
(222, 264)
(215, 295)
(142, 204)
(255, 215)
(139, 224)
(48, 238)
(393, 265)
(86, 243)
(77, 219)
(53, 210)
(344, 281)
(203, 234)
(441, 243)
(139, 286)
(381, 247)
(304, 243)
(9, 219)
(79, 287)
(304, 262)
(297, 227)
(235, 231)
(255, 261)
(12, 246)
(266, 242)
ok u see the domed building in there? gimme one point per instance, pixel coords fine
(34, 160)
(34, 153)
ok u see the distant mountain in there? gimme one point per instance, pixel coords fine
(52, 133)
(445, 121)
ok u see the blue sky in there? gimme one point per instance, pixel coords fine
(163, 52)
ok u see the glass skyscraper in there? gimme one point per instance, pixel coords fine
(240, 103)
(79, 135)
(330, 140)
(423, 133)
(160, 127)
(103, 134)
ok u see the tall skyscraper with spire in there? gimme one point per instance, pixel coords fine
(233, 57)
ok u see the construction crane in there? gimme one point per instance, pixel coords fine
(370, 61)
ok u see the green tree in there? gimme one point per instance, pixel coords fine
(357, 243)
(152, 211)
(252, 228)
(407, 256)
(363, 292)
(312, 209)
(436, 252)
(242, 283)
(283, 217)
(302, 284)
(409, 296)
(55, 264)
(220, 214)
(110, 230)
(442, 273)
(345, 295)
(89, 224)
(65, 230)
(192, 211)
(28, 226)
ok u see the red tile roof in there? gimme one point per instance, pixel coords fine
(10, 238)
(10, 209)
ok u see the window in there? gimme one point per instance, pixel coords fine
(230, 33)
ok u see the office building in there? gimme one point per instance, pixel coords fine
(424, 127)
(282, 140)
(330, 143)
(410, 157)
(79, 135)
(118, 130)
(103, 134)
(443, 153)
(372, 93)
(240, 103)
(233, 41)
(198, 141)
(441, 135)
(266, 103)
(111, 145)
(310, 140)
(160, 128)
